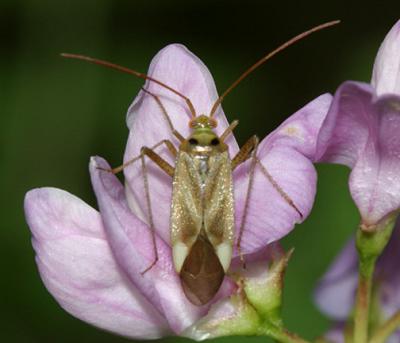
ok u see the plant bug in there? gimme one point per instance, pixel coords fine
(202, 208)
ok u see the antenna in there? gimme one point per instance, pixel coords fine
(132, 72)
(267, 57)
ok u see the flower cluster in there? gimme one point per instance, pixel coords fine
(92, 261)
(362, 131)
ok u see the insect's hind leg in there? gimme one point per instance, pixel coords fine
(248, 150)
(150, 214)
(282, 193)
(165, 166)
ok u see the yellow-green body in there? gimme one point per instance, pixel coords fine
(202, 212)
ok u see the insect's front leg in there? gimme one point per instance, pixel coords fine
(166, 142)
(157, 159)
(245, 152)
(229, 130)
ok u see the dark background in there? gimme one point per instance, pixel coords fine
(56, 113)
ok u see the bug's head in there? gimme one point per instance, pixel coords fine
(203, 122)
(203, 137)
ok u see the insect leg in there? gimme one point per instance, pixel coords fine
(249, 149)
(165, 113)
(167, 143)
(244, 152)
(229, 130)
(283, 194)
(165, 166)
(150, 214)
(157, 159)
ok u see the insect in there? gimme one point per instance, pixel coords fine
(202, 209)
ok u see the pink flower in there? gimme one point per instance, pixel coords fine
(91, 262)
(361, 131)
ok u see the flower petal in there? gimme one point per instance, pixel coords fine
(133, 247)
(336, 290)
(345, 130)
(78, 268)
(395, 338)
(387, 275)
(335, 294)
(375, 179)
(336, 333)
(362, 133)
(386, 72)
(301, 130)
(286, 154)
(180, 69)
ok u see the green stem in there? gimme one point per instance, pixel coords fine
(370, 245)
(361, 315)
(282, 335)
(387, 328)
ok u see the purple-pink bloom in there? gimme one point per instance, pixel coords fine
(335, 334)
(286, 153)
(361, 131)
(91, 262)
(336, 291)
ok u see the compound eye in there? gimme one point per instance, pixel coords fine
(215, 141)
(193, 141)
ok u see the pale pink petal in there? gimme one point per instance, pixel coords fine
(301, 130)
(176, 66)
(387, 274)
(386, 72)
(286, 154)
(269, 253)
(78, 268)
(269, 215)
(336, 334)
(395, 338)
(346, 128)
(131, 242)
(375, 179)
(336, 291)
(361, 132)
(389, 292)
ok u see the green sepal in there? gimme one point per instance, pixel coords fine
(255, 307)
(370, 243)
(264, 291)
(232, 316)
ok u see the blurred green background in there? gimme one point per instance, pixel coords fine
(56, 113)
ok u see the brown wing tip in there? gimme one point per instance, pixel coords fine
(202, 273)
